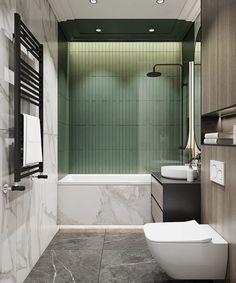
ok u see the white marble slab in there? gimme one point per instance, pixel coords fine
(28, 220)
(104, 204)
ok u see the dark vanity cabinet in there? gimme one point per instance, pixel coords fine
(175, 200)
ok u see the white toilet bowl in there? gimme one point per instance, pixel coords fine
(188, 250)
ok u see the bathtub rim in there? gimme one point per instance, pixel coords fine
(146, 180)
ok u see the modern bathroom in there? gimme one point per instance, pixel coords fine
(117, 141)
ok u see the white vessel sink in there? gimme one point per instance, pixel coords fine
(176, 172)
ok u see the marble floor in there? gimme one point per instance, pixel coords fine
(97, 256)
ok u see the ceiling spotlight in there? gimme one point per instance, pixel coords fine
(151, 30)
(160, 1)
(98, 30)
(93, 1)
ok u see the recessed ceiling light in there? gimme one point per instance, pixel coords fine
(160, 1)
(151, 30)
(98, 30)
(93, 1)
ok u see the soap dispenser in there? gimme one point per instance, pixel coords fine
(190, 174)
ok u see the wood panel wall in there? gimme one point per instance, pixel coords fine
(219, 203)
(219, 91)
(218, 54)
(209, 56)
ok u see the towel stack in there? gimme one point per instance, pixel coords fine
(218, 138)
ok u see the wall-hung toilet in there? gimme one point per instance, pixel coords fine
(188, 250)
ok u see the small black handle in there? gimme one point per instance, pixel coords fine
(18, 188)
(42, 176)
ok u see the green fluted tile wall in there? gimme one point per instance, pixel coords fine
(120, 120)
(63, 106)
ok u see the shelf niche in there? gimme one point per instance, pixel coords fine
(221, 120)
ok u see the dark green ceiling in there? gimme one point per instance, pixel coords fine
(125, 29)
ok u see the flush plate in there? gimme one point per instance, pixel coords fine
(217, 174)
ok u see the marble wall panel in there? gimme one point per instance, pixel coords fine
(28, 220)
(104, 204)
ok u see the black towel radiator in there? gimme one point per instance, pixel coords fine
(29, 87)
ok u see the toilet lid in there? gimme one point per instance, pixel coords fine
(176, 232)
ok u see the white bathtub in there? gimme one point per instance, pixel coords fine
(98, 179)
(104, 199)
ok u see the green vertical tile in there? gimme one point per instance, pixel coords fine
(127, 123)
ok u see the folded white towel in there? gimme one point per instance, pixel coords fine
(218, 141)
(32, 150)
(219, 135)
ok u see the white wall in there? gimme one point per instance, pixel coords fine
(27, 219)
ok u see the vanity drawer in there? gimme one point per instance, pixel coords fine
(157, 213)
(157, 192)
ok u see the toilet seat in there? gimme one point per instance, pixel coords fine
(176, 232)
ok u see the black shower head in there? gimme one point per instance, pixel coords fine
(154, 74)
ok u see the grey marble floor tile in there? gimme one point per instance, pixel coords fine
(185, 281)
(124, 241)
(130, 266)
(124, 257)
(171, 280)
(80, 232)
(133, 273)
(77, 241)
(124, 231)
(66, 266)
(79, 256)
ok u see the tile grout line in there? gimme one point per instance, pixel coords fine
(101, 256)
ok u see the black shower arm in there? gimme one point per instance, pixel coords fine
(154, 67)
